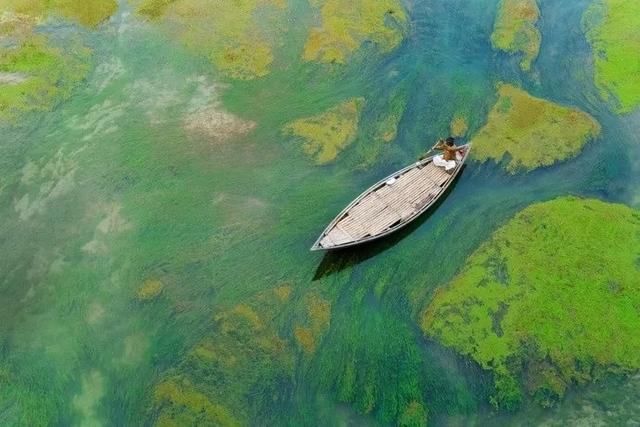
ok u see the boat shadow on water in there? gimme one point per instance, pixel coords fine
(337, 260)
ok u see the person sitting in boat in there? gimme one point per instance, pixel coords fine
(450, 153)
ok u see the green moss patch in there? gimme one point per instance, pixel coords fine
(327, 134)
(88, 13)
(347, 24)
(150, 289)
(515, 30)
(238, 36)
(553, 298)
(37, 74)
(459, 126)
(613, 30)
(531, 132)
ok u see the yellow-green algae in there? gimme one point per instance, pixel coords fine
(459, 126)
(379, 130)
(317, 318)
(551, 299)
(44, 74)
(347, 24)
(88, 13)
(613, 30)
(150, 289)
(531, 132)
(237, 369)
(515, 30)
(387, 126)
(328, 133)
(238, 36)
(189, 407)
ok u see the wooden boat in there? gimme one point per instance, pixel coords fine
(389, 204)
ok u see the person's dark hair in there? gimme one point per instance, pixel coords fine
(450, 141)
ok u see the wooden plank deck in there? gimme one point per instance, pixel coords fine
(388, 205)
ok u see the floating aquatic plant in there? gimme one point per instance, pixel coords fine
(550, 300)
(531, 132)
(38, 74)
(347, 24)
(613, 29)
(239, 37)
(325, 135)
(515, 30)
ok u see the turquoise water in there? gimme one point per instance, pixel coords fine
(109, 190)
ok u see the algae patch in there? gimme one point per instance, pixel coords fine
(531, 132)
(317, 319)
(36, 73)
(150, 289)
(550, 300)
(181, 404)
(88, 13)
(347, 24)
(325, 135)
(238, 36)
(239, 369)
(613, 30)
(459, 126)
(515, 30)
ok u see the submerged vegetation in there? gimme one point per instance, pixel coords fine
(550, 300)
(515, 30)
(241, 368)
(317, 321)
(150, 289)
(88, 13)
(327, 134)
(352, 367)
(459, 126)
(35, 74)
(613, 29)
(238, 37)
(150, 221)
(347, 24)
(528, 132)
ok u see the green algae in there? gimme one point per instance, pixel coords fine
(325, 135)
(48, 73)
(317, 321)
(174, 231)
(181, 405)
(87, 13)
(347, 24)
(387, 128)
(351, 366)
(459, 126)
(530, 132)
(550, 300)
(22, 402)
(239, 37)
(515, 30)
(150, 289)
(378, 131)
(414, 415)
(613, 30)
(234, 372)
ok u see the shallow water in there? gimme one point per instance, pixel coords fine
(110, 190)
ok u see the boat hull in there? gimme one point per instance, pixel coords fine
(390, 204)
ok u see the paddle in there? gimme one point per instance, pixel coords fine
(425, 155)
